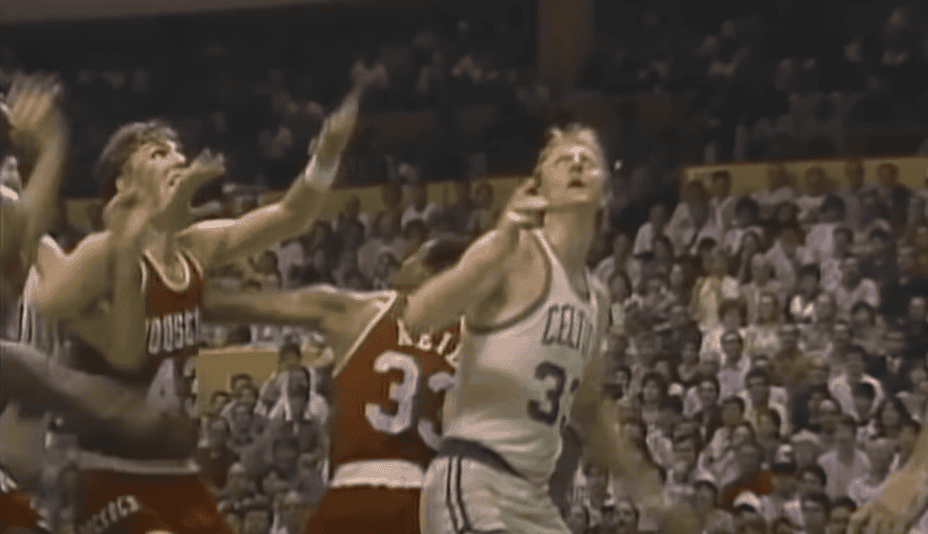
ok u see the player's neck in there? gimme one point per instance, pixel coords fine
(161, 246)
(571, 235)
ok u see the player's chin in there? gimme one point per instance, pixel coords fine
(576, 199)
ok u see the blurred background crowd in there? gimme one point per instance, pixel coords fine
(768, 349)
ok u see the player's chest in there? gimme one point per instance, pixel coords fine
(174, 330)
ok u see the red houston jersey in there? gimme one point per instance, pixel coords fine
(16, 508)
(172, 330)
(389, 393)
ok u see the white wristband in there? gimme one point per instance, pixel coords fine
(320, 177)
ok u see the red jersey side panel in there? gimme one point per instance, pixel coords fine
(389, 395)
(172, 330)
(16, 508)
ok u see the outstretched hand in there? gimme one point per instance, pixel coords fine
(127, 215)
(523, 210)
(33, 109)
(903, 497)
(337, 131)
(177, 197)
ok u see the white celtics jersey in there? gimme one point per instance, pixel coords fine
(35, 330)
(516, 383)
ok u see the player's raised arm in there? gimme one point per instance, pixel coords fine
(128, 216)
(596, 415)
(33, 112)
(70, 283)
(481, 270)
(215, 242)
(903, 498)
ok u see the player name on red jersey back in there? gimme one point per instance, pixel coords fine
(389, 396)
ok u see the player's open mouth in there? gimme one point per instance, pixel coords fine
(576, 183)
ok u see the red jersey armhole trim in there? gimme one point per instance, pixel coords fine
(385, 309)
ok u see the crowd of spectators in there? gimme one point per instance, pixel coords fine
(769, 351)
(810, 79)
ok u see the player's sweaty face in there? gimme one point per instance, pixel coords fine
(156, 165)
(573, 174)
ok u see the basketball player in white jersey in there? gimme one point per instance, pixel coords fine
(530, 360)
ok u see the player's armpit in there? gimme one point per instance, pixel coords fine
(69, 283)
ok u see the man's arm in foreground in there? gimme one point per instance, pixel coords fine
(597, 417)
(341, 314)
(481, 271)
(904, 498)
(34, 113)
(91, 403)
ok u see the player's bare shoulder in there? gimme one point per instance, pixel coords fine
(198, 240)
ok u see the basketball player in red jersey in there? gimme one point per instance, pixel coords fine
(31, 115)
(388, 392)
(124, 489)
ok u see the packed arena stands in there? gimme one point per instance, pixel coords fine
(765, 240)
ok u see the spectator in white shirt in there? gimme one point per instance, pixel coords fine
(778, 191)
(387, 239)
(619, 260)
(291, 260)
(854, 171)
(721, 440)
(808, 288)
(787, 255)
(841, 387)
(757, 399)
(864, 488)
(419, 207)
(813, 197)
(648, 232)
(841, 249)
(735, 365)
(722, 202)
(846, 462)
(484, 216)
(689, 218)
(745, 220)
(854, 288)
(820, 239)
(760, 281)
(710, 293)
